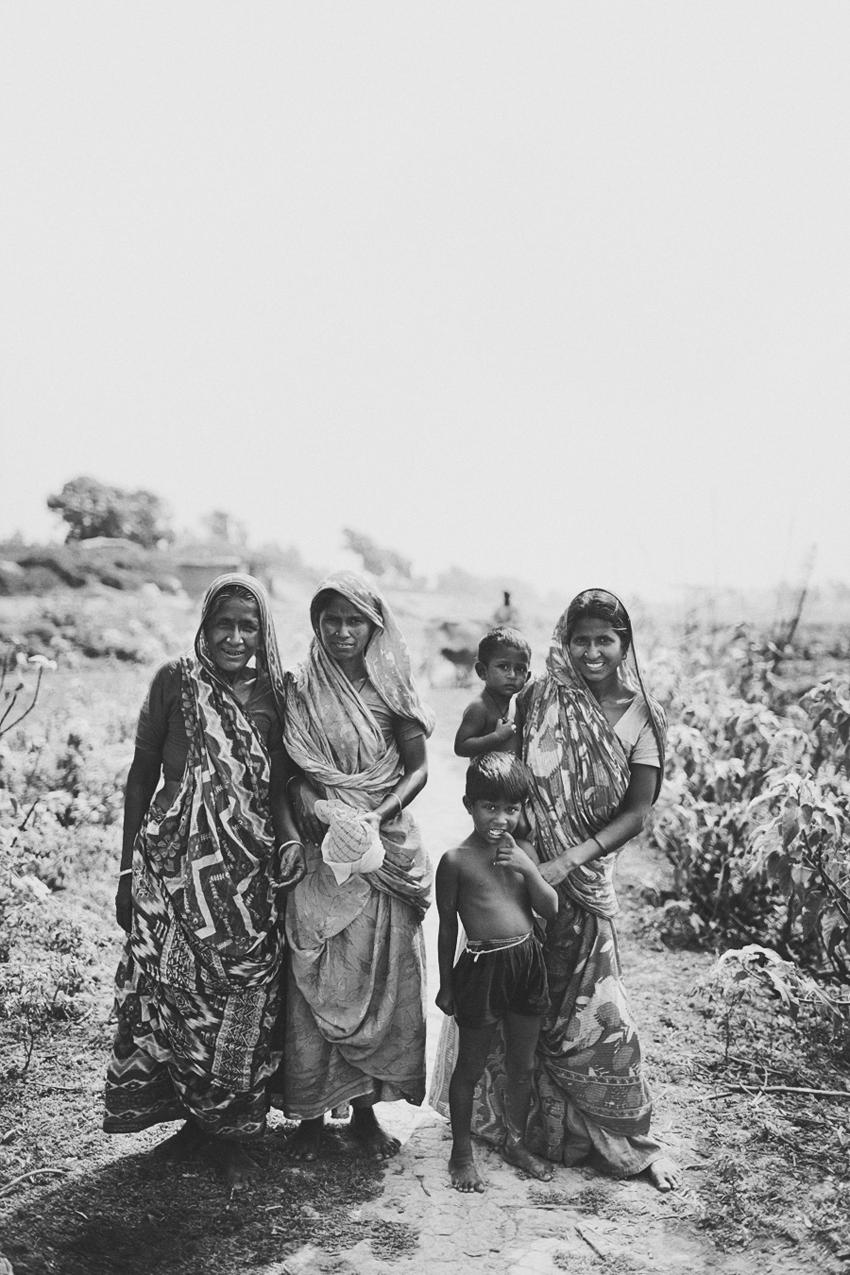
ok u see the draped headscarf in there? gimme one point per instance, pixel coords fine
(231, 583)
(211, 852)
(335, 739)
(579, 768)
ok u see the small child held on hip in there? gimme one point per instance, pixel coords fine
(503, 663)
(492, 883)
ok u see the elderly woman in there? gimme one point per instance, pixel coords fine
(355, 728)
(198, 987)
(593, 741)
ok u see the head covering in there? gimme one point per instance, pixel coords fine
(560, 666)
(579, 768)
(268, 656)
(386, 657)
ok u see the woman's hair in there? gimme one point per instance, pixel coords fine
(500, 639)
(231, 591)
(599, 604)
(496, 777)
(323, 599)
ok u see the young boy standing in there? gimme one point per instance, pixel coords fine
(492, 883)
(503, 666)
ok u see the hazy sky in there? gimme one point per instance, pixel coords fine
(557, 290)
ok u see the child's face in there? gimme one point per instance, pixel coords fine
(506, 673)
(492, 817)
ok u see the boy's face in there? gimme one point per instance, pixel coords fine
(492, 817)
(506, 673)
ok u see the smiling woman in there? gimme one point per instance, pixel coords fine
(208, 842)
(593, 741)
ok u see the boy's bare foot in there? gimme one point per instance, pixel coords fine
(232, 1161)
(518, 1154)
(182, 1145)
(305, 1142)
(464, 1174)
(374, 1140)
(664, 1173)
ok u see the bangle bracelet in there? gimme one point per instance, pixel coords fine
(125, 872)
(599, 843)
(284, 844)
(290, 780)
(395, 797)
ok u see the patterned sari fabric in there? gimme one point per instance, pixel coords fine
(198, 986)
(355, 1024)
(590, 1098)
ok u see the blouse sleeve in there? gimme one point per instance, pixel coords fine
(645, 750)
(407, 728)
(152, 727)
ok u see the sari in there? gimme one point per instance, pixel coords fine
(590, 1100)
(197, 990)
(355, 1002)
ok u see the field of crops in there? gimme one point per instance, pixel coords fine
(752, 835)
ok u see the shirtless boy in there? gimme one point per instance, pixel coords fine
(503, 666)
(492, 883)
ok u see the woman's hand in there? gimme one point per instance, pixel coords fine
(124, 903)
(291, 866)
(554, 871)
(373, 819)
(304, 800)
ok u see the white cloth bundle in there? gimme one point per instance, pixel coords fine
(350, 843)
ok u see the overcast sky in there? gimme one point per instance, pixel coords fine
(557, 290)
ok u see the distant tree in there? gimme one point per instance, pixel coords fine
(91, 508)
(376, 560)
(223, 527)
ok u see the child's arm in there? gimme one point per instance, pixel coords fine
(543, 896)
(473, 737)
(447, 887)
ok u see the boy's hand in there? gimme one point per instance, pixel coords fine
(509, 855)
(505, 730)
(445, 1001)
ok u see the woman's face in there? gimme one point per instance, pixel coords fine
(345, 631)
(233, 634)
(596, 650)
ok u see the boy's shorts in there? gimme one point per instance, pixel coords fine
(489, 984)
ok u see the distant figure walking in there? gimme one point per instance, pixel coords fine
(507, 614)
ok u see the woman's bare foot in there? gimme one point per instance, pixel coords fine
(374, 1140)
(664, 1173)
(464, 1174)
(232, 1161)
(306, 1141)
(518, 1154)
(182, 1145)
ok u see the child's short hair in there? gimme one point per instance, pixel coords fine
(496, 777)
(495, 639)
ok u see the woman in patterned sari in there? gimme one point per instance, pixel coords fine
(593, 741)
(198, 986)
(355, 728)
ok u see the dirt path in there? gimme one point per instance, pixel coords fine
(98, 1205)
